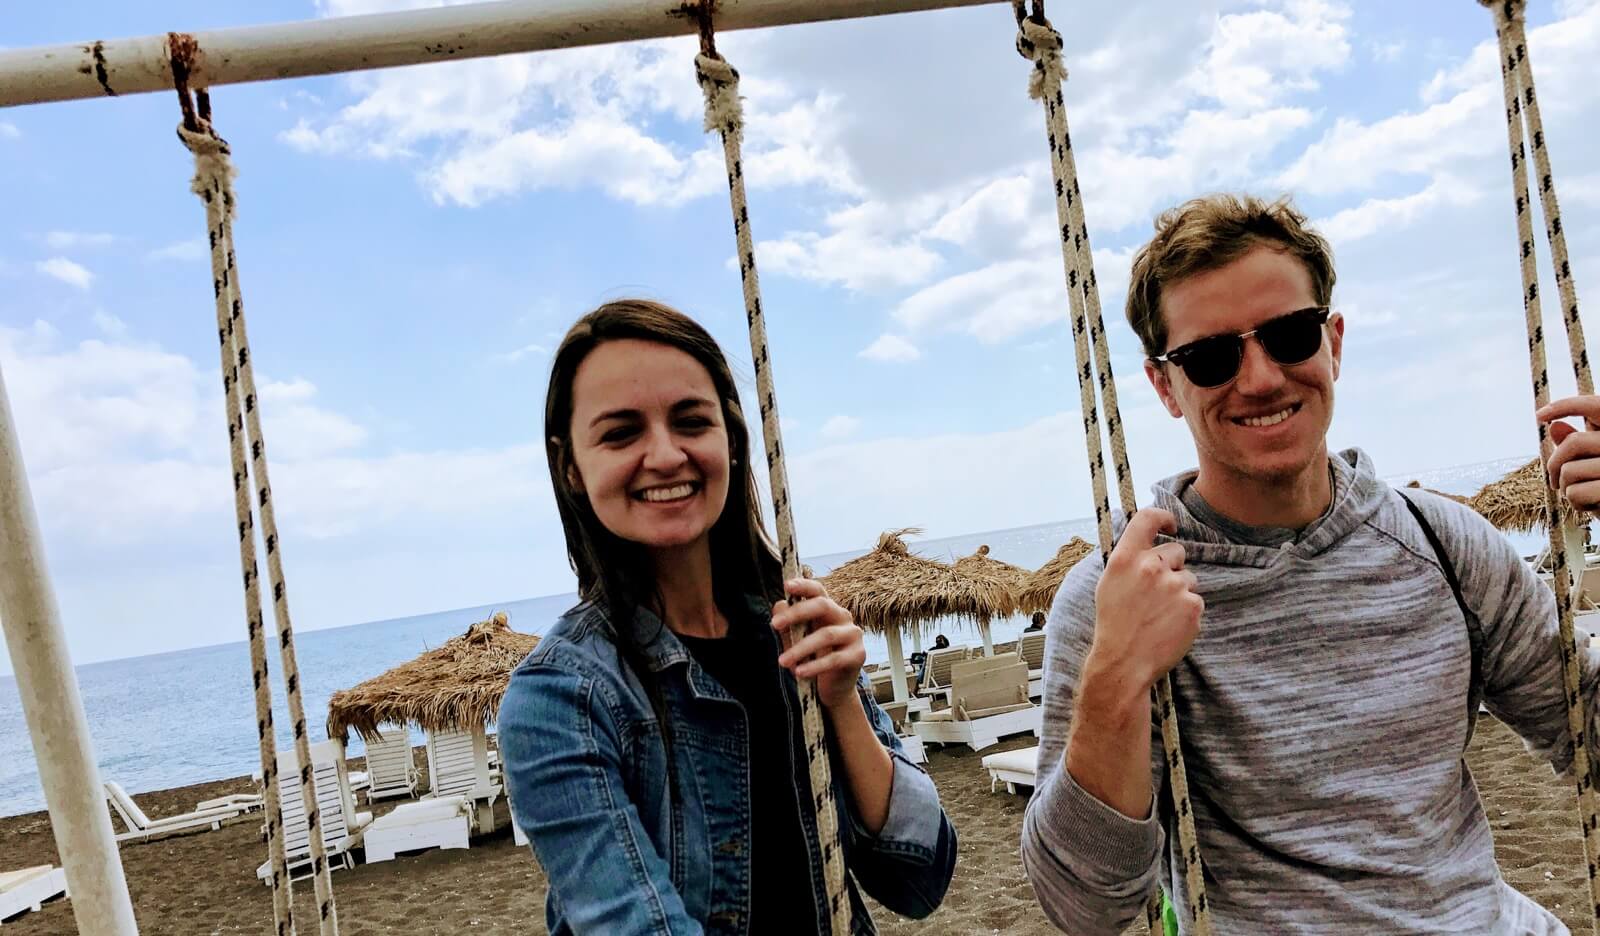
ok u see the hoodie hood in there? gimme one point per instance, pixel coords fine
(1357, 496)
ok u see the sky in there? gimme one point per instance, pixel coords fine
(413, 242)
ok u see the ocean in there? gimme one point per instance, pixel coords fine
(188, 716)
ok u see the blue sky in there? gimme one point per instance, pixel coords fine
(412, 242)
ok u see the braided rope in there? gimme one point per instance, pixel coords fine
(1041, 44)
(213, 182)
(1517, 75)
(720, 83)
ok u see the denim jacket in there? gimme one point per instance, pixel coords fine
(586, 770)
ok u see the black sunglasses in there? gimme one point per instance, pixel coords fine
(1291, 338)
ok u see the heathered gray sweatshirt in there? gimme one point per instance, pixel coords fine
(1324, 717)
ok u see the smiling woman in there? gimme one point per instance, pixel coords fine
(651, 743)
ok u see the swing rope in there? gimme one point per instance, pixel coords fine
(1039, 42)
(213, 182)
(724, 113)
(1521, 103)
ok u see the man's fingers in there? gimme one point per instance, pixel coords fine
(1172, 554)
(1572, 448)
(1144, 526)
(1586, 407)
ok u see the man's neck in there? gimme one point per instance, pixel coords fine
(688, 602)
(1288, 503)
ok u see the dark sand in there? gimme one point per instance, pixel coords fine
(206, 883)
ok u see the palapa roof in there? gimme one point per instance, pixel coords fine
(1039, 589)
(454, 686)
(1517, 501)
(981, 567)
(890, 588)
(1458, 498)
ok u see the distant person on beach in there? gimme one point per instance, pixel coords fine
(939, 643)
(1037, 624)
(652, 742)
(1327, 670)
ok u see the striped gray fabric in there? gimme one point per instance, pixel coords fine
(1324, 707)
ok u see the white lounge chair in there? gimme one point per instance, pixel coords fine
(458, 765)
(939, 664)
(440, 822)
(988, 700)
(1030, 649)
(911, 743)
(1013, 768)
(390, 767)
(29, 889)
(341, 824)
(212, 814)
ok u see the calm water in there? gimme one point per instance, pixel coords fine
(185, 717)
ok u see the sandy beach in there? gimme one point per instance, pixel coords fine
(206, 884)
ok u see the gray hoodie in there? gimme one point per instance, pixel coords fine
(1324, 717)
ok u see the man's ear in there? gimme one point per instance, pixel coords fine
(1157, 374)
(1336, 341)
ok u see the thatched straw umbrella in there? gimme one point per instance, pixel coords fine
(1517, 501)
(889, 589)
(1039, 589)
(1458, 498)
(454, 687)
(1002, 575)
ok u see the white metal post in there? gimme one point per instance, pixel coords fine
(101, 68)
(54, 712)
(897, 665)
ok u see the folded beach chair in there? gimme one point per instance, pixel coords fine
(391, 771)
(458, 765)
(440, 822)
(1030, 649)
(341, 824)
(1013, 768)
(212, 814)
(27, 890)
(988, 700)
(939, 664)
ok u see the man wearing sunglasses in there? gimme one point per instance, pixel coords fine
(1329, 640)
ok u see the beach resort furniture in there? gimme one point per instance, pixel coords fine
(1030, 649)
(390, 766)
(244, 801)
(988, 700)
(28, 889)
(939, 664)
(139, 827)
(912, 744)
(342, 826)
(1013, 768)
(439, 822)
(458, 765)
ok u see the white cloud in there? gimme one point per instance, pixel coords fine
(1255, 57)
(60, 268)
(109, 325)
(848, 258)
(1387, 52)
(9, 131)
(68, 240)
(1392, 214)
(839, 427)
(533, 350)
(891, 348)
(188, 250)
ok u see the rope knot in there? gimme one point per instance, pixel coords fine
(720, 83)
(213, 169)
(1040, 44)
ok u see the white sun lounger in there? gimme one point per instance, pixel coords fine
(458, 765)
(27, 890)
(390, 766)
(988, 700)
(342, 826)
(440, 822)
(212, 814)
(1013, 768)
